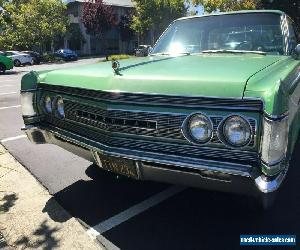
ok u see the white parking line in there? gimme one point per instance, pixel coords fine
(13, 138)
(10, 107)
(133, 211)
(9, 93)
(7, 85)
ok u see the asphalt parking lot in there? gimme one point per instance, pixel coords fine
(141, 215)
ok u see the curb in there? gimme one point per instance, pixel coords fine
(30, 218)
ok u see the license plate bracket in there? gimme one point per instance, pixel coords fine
(117, 165)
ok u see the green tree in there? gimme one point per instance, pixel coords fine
(156, 15)
(28, 23)
(291, 7)
(227, 5)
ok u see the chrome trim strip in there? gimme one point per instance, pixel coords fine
(27, 90)
(219, 166)
(275, 117)
(241, 99)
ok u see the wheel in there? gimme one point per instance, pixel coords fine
(2, 68)
(17, 63)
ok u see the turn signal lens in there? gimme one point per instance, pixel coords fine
(27, 101)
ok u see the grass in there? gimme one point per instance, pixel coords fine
(117, 57)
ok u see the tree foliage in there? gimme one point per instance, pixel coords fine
(227, 5)
(291, 7)
(97, 17)
(28, 23)
(156, 14)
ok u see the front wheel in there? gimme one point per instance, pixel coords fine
(17, 63)
(2, 68)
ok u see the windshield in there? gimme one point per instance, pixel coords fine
(240, 32)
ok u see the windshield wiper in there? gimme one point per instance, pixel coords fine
(170, 54)
(234, 51)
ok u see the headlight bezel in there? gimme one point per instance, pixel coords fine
(222, 135)
(186, 131)
(59, 113)
(44, 106)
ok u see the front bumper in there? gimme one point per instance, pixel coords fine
(206, 174)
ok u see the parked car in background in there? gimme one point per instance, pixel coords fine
(19, 58)
(193, 112)
(142, 50)
(66, 54)
(37, 57)
(5, 63)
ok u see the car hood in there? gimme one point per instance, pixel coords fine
(222, 75)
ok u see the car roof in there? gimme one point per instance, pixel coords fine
(278, 12)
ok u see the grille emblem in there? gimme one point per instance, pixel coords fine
(113, 121)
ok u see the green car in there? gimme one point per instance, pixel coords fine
(5, 64)
(215, 105)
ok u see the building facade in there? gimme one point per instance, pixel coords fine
(111, 43)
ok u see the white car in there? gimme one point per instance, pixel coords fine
(19, 58)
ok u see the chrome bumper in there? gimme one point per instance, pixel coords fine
(221, 176)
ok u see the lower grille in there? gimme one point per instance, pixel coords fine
(185, 150)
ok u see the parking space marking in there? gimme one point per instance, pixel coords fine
(13, 138)
(7, 85)
(133, 211)
(10, 107)
(9, 93)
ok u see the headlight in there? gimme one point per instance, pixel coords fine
(199, 128)
(59, 105)
(236, 131)
(274, 141)
(27, 101)
(48, 104)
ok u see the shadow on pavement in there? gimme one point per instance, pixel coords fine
(44, 236)
(7, 202)
(193, 219)
(196, 219)
(54, 211)
(104, 195)
(12, 72)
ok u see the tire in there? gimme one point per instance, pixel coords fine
(2, 68)
(17, 63)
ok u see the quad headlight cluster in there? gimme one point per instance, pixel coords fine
(54, 105)
(234, 131)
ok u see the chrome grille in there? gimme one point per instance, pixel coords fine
(167, 125)
(163, 135)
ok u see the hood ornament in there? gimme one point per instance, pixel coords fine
(116, 66)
